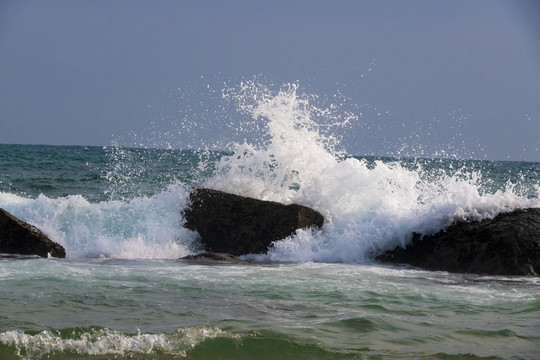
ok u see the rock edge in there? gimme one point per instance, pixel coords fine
(21, 238)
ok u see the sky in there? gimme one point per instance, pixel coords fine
(447, 78)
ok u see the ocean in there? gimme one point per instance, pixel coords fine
(124, 293)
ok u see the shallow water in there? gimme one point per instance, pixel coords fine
(163, 309)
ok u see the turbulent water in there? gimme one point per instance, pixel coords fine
(122, 292)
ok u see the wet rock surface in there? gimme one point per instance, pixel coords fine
(238, 225)
(210, 257)
(21, 238)
(508, 244)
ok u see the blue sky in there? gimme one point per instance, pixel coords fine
(431, 78)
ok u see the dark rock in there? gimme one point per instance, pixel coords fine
(239, 225)
(509, 244)
(19, 237)
(211, 257)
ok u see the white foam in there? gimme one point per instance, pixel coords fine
(146, 227)
(368, 207)
(110, 342)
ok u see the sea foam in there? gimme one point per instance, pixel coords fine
(143, 227)
(95, 342)
(369, 207)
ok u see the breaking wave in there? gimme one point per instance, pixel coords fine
(297, 156)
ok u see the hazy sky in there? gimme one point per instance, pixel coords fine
(429, 77)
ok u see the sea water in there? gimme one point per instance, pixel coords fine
(122, 292)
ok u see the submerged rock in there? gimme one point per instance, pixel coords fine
(219, 257)
(508, 244)
(240, 225)
(19, 237)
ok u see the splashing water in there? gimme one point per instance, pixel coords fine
(128, 202)
(293, 149)
(369, 206)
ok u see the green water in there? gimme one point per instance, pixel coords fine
(97, 173)
(104, 309)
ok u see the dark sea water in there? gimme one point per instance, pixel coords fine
(123, 293)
